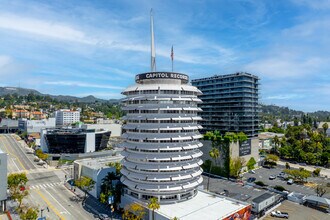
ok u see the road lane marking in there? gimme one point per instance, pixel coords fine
(59, 203)
(12, 159)
(9, 152)
(50, 205)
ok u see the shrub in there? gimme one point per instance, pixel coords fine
(287, 165)
(317, 171)
(260, 183)
(250, 164)
(279, 188)
(206, 165)
(218, 171)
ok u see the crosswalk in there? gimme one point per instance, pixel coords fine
(45, 185)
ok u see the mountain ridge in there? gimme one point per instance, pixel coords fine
(68, 98)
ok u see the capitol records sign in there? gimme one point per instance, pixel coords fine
(162, 75)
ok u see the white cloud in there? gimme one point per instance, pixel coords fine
(4, 60)
(315, 4)
(285, 96)
(284, 66)
(44, 28)
(83, 84)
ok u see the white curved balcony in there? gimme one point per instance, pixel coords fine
(162, 178)
(177, 156)
(162, 98)
(142, 186)
(161, 146)
(173, 166)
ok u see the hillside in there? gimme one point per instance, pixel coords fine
(271, 112)
(66, 98)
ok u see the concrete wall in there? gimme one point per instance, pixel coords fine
(96, 174)
(234, 150)
(3, 176)
(90, 142)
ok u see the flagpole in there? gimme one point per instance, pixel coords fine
(172, 65)
(172, 56)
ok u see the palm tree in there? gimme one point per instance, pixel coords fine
(214, 153)
(106, 186)
(325, 127)
(153, 205)
(276, 143)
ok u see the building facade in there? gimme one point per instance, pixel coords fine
(230, 103)
(161, 138)
(3, 180)
(66, 117)
(73, 141)
(35, 126)
(96, 169)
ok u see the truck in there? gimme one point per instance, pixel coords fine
(279, 214)
(262, 202)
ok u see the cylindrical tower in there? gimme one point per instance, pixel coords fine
(161, 138)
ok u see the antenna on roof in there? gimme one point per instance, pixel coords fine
(153, 52)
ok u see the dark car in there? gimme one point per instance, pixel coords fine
(251, 179)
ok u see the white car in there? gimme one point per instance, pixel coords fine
(252, 171)
(280, 214)
(290, 182)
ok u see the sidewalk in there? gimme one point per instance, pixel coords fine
(324, 171)
(92, 204)
(3, 217)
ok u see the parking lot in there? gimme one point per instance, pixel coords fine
(232, 189)
(299, 212)
(262, 174)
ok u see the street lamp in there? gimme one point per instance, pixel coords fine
(41, 211)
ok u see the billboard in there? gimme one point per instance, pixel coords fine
(243, 214)
(245, 148)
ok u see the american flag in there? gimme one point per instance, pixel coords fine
(172, 54)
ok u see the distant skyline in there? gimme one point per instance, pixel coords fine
(96, 48)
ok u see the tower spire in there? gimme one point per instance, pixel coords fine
(153, 52)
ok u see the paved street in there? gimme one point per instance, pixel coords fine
(298, 212)
(46, 185)
(18, 160)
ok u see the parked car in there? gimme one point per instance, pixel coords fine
(103, 216)
(281, 174)
(280, 214)
(36, 159)
(252, 171)
(272, 177)
(290, 181)
(251, 179)
(30, 151)
(41, 162)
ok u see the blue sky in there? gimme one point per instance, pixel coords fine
(96, 47)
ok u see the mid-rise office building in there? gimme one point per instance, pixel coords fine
(161, 138)
(66, 117)
(35, 126)
(73, 140)
(230, 103)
